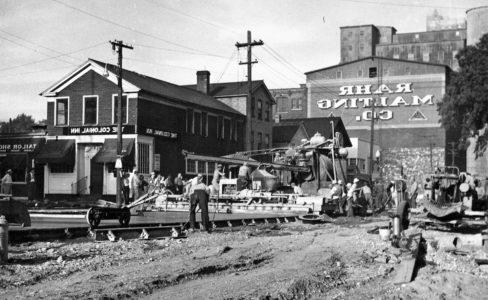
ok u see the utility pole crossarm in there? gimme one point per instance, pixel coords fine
(249, 64)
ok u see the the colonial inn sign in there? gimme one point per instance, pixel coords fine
(362, 96)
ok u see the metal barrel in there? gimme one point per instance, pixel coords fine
(3, 240)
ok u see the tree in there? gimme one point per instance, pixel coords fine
(21, 123)
(465, 104)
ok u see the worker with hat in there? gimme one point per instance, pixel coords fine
(6, 187)
(199, 196)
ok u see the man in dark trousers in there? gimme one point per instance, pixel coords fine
(199, 195)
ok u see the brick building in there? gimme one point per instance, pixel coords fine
(160, 121)
(407, 127)
(291, 103)
(234, 94)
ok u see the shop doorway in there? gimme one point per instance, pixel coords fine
(96, 178)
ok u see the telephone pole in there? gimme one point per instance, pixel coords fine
(119, 46)
(452, 151)
(249, 64)
(371, 141)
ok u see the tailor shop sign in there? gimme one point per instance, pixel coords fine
(26, 145)
(97, 130)
(385, 97)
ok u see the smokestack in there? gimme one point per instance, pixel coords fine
(203, 81)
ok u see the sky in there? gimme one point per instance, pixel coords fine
(41, 41)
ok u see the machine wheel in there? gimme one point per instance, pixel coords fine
(93, 218)
(124, 220)
(402, 212)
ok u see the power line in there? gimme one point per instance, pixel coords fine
(158, 64)
(180, 51)
(227, 65)
(404, 5)
(36, 50)
(127, 27)
(36, 44)
(38, 71)
(216, 25)
(54, 57)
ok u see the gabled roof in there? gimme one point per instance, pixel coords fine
(283, 134)
(377, 57)
(237, 88)
(320, 125)
(135, 82)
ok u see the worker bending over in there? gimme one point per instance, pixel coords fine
(199, 196)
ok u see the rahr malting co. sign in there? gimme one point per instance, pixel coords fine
(384, 97)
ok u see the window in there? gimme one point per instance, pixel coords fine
(360, 73)
(373, 72)
(352, 162)
(457, 33)
(281, 104)
(266, 141)
(339, 74)
(197, 124)
(260, 109)
(220, 128)
(204, 124)
(260, 140)
(143, 158)
(361, 164)
(62, 111)
(124, 109)
(417, 36)
(425, 56)
(396, 56)
(201, 167)
(90, 108)
(349, 34)
(253, 106)
(267, 111)
(441, 56)
(361, 47)
(296, 104)
(191, 166)
(189, 120)
(212, 126)
(411, 56)
(226, 133)
(361, 32)
(61, 168)
(349, 47)
(407, 70)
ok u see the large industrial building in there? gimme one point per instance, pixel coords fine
(404, 75)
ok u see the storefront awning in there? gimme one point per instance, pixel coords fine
(108, 153)
(57, 152)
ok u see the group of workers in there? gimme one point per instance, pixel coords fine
(349, 194)
(134, 185)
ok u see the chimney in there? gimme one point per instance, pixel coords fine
(203, 81)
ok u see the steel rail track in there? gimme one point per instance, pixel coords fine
(134, 231)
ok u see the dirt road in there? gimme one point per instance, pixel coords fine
(289, 261)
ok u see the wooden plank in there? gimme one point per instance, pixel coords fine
(405, 272)
(407, 266)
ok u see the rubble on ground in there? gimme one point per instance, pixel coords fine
(275, 261)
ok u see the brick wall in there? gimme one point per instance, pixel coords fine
(92, 83)
(284, 97)
(168, 117)
(415, 161)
